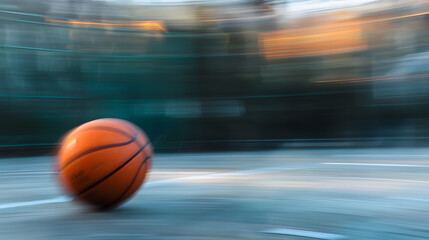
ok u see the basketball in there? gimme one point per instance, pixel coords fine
(104, 162)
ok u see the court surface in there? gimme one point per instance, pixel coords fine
(288, 194)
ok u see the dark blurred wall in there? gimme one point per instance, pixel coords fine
(201, 76)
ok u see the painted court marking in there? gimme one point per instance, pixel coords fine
(11, 173)
(380, 156)
(37, 202)
(156, 183)
(304, 233)
(374, 164)
(177, 172)
(220, 175)
(380, 179)
(412, 199)
(121, 235)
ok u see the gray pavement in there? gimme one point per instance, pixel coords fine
(291, 194)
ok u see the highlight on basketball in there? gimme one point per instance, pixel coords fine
(214, 120)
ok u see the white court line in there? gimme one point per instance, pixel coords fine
(155, 183)
(26, 173)
(304, 233)
(219, 175)
(37, 202)
(374, 164)
(121, 235)
(394, 156)
(381, 179)
(411, 199)
(178, 172)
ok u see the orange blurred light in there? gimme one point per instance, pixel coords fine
(157, 26)
(311, 41)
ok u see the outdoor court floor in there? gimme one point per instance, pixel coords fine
(288, 194)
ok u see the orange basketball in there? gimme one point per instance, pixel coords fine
(104, 162)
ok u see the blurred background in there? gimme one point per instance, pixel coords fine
(204, 75)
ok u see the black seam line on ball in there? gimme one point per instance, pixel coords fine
(113, 172)
(132, 182)
(97, 149)
(111, 129)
